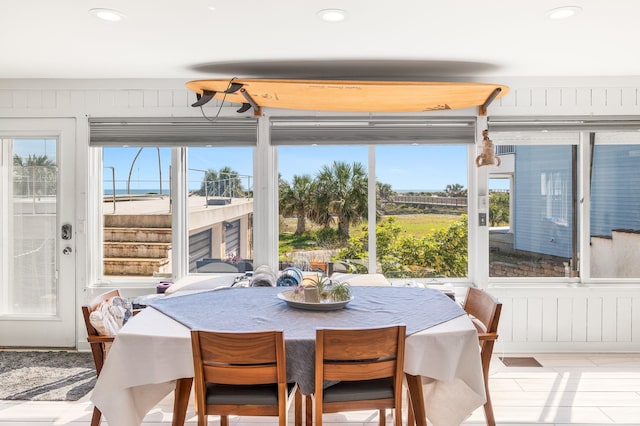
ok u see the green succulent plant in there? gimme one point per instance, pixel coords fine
(341, 291)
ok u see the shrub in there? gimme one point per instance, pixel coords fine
(442, 253)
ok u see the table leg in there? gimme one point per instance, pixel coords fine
(298, 408)
(411, 418)
(307, 404)
(181, 400)
(416, 399)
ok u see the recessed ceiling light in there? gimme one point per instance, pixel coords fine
(107, 14)
(564, 12)
(332, 15)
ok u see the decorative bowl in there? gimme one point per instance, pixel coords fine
(296, 300)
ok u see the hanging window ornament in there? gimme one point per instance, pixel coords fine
(488, 156)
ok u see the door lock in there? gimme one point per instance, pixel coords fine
(66, 231)
(67, 251)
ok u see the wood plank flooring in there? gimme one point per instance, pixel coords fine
(569, 389)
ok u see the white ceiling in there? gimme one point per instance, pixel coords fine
(401, 39)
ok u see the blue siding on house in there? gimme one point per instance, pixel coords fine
(543, 211)
(615, 189)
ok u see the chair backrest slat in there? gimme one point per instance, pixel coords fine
(240, 348)
(372, 343)
(240, 374)
(361, 371)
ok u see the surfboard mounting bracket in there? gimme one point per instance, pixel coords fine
(482, 109)
(256, 108)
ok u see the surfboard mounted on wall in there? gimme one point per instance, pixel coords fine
(348, 95)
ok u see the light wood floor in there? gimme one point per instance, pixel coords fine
(569, 389)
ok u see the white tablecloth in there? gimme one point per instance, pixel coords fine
(152, 350)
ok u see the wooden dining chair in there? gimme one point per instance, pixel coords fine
(97, 342)
(240, 374)
(368, 366)
(484, 311)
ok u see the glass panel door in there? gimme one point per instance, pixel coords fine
(37, 303)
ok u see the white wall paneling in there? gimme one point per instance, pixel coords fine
(569, 319)
(549, 317)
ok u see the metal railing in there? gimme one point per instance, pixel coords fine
(227, 187)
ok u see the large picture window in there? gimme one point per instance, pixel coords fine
(370, 196)
(420, 199)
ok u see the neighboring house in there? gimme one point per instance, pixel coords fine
(615, 193)
(542, 197)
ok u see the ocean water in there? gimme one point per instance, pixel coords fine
(109, 191)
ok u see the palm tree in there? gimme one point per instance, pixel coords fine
(296, 199)
(222, 183)
(341, 191)
(35, 175)
(455, 190)
(384, 192)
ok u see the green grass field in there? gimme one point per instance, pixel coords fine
(418, 225)
(422, 225)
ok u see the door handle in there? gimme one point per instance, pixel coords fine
(67, 251)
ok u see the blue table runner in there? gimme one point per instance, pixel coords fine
(259, 308)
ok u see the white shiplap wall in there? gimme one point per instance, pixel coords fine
(565, 318)
(552, 318)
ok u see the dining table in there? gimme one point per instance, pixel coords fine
(152, 355)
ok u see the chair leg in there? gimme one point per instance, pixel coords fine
(96, 417)
(181, 400)
(317, 411)
(414, 385)
(308, 410)
(202, 419)
(224, 421)
(383, 417)
(488, 409)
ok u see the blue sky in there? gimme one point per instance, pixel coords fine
(26, 147)
(404, 167)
